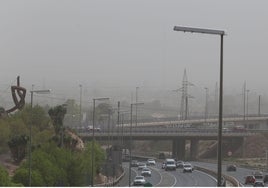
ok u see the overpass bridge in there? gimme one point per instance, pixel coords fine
(178, 132)
(255, 122)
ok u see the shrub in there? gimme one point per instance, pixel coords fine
(4, 177)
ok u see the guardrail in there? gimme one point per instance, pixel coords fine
(229, 179)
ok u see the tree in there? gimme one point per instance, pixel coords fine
(102, 108)
(99, 159)
(4, 136)
(57, 115)
(22, 176)
(18, 147)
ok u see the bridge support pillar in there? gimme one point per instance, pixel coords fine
(243, 147)
(178, 149)
(194, 149)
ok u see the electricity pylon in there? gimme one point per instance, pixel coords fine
(184, 110)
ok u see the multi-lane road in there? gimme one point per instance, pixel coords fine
(162, 178)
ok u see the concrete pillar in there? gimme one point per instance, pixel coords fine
(194, 149)
(243, 147)
(178, 149)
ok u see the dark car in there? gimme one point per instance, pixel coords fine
(258, 184)
(162, 156)
(231, 168)
(265, 178)
(179, 164)
(250, 179)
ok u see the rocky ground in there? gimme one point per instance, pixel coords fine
(6, 161)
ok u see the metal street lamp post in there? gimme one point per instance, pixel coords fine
(137, 88)
(130, 154)
(80, 106)
(247, 101)
(206, 105)
(221, 33)
(46, 91)
(266, 158)
(93, 139)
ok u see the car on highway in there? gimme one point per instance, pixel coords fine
(265, 178)
(162, 156)
(151, 162)
(146, 172)
(250, 179)
(141, 166)
(134, 163)
(258, 175)
(139, 180)
(231, 168)
(258, 184)
(179, 164)
(187, 167)
(170, 164)
(90, 128)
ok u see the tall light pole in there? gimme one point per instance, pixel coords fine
(244, 101)
(137, 88)
(93, 138)
(206, 105)
(247, 101)
(80, 106)
(45, 91)
(266, 158)
(259, 106)
(221, 33)
(130, 143)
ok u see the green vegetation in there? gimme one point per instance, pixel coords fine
(51, 165)
(4, 178)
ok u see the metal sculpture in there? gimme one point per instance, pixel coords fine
(17, 91)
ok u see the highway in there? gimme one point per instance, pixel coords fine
(239, 174)
(162, 178)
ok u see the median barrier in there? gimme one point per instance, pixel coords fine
(229, 179)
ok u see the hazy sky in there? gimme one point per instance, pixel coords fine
(129, 43)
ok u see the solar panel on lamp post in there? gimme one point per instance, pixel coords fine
(221, 33)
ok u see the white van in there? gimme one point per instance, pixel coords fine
(170, 164)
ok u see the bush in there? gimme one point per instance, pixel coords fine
(22, 177)
(4, 177)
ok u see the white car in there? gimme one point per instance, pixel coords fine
(170, 164)
(139, 180)
(141, 166)
(187, 167)
(146, 172)
(150, 162)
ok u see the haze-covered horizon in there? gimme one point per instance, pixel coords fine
(111, 47)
